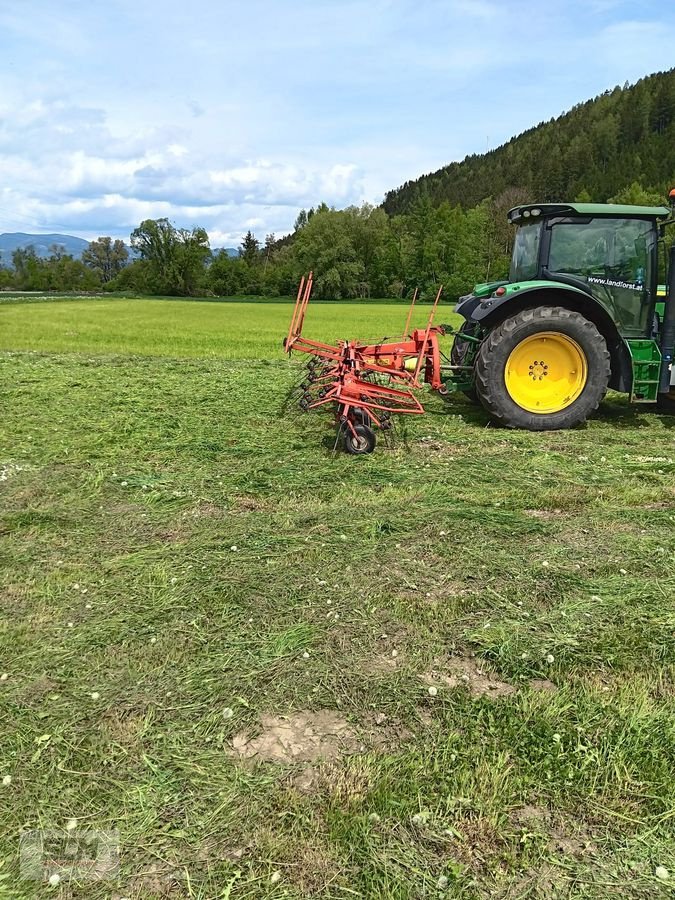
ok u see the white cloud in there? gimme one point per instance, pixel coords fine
(90, 180)
(110, 113)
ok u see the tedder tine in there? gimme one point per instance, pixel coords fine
(291, 328)
(423, 347)
(410, 312)
(305, 301)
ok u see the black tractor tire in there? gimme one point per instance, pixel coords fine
(666, 402)
(362, 441)
(458, 354)
(494, 353)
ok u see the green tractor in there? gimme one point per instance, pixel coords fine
(582, 311)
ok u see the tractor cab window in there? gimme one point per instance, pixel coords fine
(614, 257)
(525, 259)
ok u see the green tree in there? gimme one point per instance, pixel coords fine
(28, 271)
(635, 195)
(106, 257)
(176, 257)
(250, 248)
(326, 245)
(225, 276)
(63, 273)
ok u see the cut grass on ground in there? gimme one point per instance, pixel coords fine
(442, 670)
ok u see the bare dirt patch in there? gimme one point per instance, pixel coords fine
(530, 817)
(543, 513)
(564, 838)
(387, 654)
(300, 737)
(170, 535)
(124, 728)
(543, 684)
(36, 691)
(248, 504)
(156, 883)
(206, 510)
(577, 845)
(382, 663)
(314, 870)
(383, 733)
(123, 509)
(545, 881)
(463, 670)
(480, 843)
(13, 597)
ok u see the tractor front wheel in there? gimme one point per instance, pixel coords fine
(542, 369)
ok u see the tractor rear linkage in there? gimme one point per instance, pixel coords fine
(367, 383)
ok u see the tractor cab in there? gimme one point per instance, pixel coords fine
(607, 251)
(581, 311)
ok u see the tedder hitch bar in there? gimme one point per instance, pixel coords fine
(366, 384)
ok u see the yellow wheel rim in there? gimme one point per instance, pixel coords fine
(546, 372)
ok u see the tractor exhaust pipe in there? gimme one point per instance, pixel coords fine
(668, 328)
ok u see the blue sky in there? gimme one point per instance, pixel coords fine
(234, 115)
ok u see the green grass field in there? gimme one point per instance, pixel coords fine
(188, 328)
(444, 670)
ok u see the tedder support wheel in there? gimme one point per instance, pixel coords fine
(542, 369)
(362, 441)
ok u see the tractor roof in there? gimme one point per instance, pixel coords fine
(533, 210)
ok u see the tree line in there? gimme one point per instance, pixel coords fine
(355, 253)
(358, 252)
(99, 265)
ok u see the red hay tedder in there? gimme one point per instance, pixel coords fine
(366, 384)
(537, 350)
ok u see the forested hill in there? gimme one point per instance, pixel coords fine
(596, 149)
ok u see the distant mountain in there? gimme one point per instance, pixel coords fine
(70, 245)
(11, 241)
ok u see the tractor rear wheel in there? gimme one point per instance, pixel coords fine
(542, 369)
(666, 402)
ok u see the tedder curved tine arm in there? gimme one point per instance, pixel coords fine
(291, 328)
(423, 347)
(298, 317)
(410, 312)
(305, 301)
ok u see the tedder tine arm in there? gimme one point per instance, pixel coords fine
(305, 301)
(423, 347)
(296, 310)
(410, 312)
